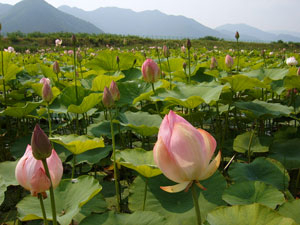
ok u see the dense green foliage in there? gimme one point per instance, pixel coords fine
(252, 109)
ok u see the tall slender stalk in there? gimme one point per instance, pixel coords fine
(52, 198)
(196, 204)
(189, 59)
(49, 120)
(2, 64)
(118, 197)
(43, 208)
(169, 73)
(157, 51)
(145, 193)
(238, 56)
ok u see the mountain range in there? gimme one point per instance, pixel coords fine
(37, 15)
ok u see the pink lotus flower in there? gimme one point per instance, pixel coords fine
(58, 42)
(229, 61)
(150, 71)
(31, 175)
(291, 61)
(184, 153)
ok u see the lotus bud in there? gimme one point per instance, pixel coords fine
(56, 68)
(30, 173)
(114, 90)
(229, 61)
(74, 40)
(166, 51)
(237, 35)
(118, 59)
(150, 71)
(213, 63)
(47, 94)
(79, 57)
(107, 99)
(184, 65)
(41, 146)
(188, 44)
(298, 71)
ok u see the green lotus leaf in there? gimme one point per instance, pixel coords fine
(291, 210)
(263, 109)
(102, 81)
(261, 169)
(254, 214)
(86, 104)
(248, 192)
(177, 208)
(70, 196)
(191, 96)
(272, 74)
(141, 122)
(287, 152)
(258, 144)
(20, 111)
(78, 144)
(292, 82)
(242, 82)
(139, 160)
(136, 218)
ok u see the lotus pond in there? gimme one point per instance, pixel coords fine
(251, 108)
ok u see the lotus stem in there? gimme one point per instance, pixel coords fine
(43, 208)
(189, 57)
(249, 146)
(52, 199)
(169, 73)
(159, 63)
(4, 87)
(145, 193)
(118, 197)
(49, 120)
(73, 166)
(238, 56)
(196, 204)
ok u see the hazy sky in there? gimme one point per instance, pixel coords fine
(263, 14)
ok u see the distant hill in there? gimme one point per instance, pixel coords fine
(249, 33)
(4, 8)
(37, 15)
(147, 23)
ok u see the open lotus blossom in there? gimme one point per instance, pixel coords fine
(10, 49)
(31, 175)
(184, 153)
(291, 61)
(58, 42)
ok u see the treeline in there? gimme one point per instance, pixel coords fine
(33, 41)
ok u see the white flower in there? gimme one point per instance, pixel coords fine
(291, 61)
(58, 42)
